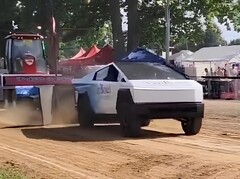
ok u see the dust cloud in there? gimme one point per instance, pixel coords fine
(27, 111)
(23, 114)
(64, 111)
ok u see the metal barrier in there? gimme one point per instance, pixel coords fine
(216, 87)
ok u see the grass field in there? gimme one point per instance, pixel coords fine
(11, 174)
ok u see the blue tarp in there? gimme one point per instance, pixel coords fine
(26, 91)
(143, 55)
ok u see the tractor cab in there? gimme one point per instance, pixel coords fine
(25, 54)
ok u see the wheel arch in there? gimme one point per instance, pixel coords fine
(124, 96)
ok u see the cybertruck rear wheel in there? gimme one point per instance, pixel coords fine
(192, 126)
(85, 112)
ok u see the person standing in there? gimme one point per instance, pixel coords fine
(233, 71)
(219, 72)
(206, 72)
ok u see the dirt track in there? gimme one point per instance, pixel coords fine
(163, 152)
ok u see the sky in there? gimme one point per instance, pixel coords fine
(228, 35)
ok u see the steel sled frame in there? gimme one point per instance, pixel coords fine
(45, 83)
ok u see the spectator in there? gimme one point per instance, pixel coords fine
(206, 72)
(211, 72)
(234, 71)
(219, 72)
(225, 73)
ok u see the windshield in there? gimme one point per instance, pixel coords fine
(147, 71)
(20, 47)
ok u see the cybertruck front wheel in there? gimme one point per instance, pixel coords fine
(191, 126)
(130, 123)
(145, 122)
(131, 126)
(85, 112)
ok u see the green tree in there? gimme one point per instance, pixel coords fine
(98, 37)
(236, 16)
(186, 19)
(77, 18)
(118, 40)
(133, 24)
(235, 42)
(211, 37)
(8, 11)
(73, 18)
(68, 49)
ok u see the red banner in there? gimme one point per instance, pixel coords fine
(36, 80)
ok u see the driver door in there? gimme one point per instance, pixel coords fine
(107, 83)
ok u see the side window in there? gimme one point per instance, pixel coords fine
(100, 75)
(6, 49)
(7, 53)
(120, 78)
(109, 73)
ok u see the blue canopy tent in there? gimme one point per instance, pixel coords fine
(143, 55)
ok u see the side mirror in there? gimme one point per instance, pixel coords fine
(122, 80)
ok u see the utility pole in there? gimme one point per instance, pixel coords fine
(53, 41)
(168, 23)
(186, 40)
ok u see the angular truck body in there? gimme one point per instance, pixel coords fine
(135, 93)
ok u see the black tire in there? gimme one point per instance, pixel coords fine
(145, 122)
(85, 112)
(130, 123)
(192, 126)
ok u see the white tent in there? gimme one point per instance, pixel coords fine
(181, 55)
(214, 54)
(211, 58)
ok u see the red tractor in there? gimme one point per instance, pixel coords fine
(24, 75)
(25, 54)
